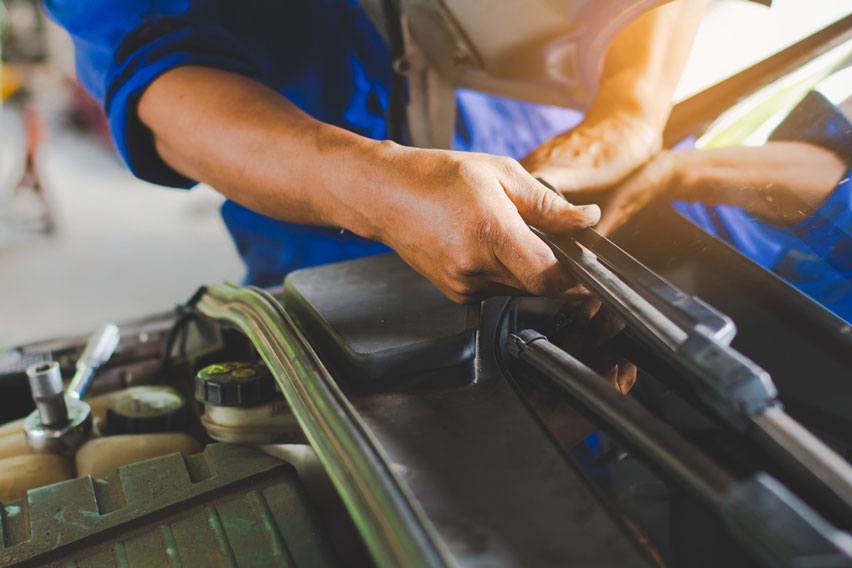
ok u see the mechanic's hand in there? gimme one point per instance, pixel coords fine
(597, 154)
(460, 219)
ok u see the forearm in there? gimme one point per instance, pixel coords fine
(645, 61)
(781, 180)
(258, 149)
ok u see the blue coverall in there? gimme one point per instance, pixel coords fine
(327, 58)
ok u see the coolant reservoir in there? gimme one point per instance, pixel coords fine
(241, 405)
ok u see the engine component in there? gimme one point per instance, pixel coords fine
(101, 456)
(18, 474)
(237, 405)
(694, 338)
(234, 384)
(48, 393)
(747, 505)
(270, 423)
(396, 531)
(384, 336)
(146, 409)
(228, 506)
(14, 444)
(98, 350)
(59, 423)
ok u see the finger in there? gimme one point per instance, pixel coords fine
(471, 289)
(611, 220)
(529, 260)
(545, 209)
(627, 374)
(576, 179)
(616, 370)
(625, 203)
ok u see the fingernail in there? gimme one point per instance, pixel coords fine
(592, 213)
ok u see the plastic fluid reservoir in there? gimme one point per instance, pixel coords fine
(241, 405)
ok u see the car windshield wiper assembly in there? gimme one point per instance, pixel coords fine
(694, 339)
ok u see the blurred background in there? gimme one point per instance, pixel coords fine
(82, 241)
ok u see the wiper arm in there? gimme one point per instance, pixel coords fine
(694, 338)
(778, 527)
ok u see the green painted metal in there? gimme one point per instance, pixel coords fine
(228, 506)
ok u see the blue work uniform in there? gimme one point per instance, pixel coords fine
(328, 59)
(325, 56)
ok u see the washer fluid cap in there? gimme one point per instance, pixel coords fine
(234, 384)
(147, 409)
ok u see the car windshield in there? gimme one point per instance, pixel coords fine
(775, 179)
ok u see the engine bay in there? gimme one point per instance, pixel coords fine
(415, 430)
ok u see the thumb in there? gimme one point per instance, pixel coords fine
(547, 210)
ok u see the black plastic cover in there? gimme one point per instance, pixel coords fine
(376, 320)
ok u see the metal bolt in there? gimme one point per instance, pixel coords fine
(48, 393)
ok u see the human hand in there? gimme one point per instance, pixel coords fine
(623, 127)
(597, 154)
(461, 219)
(653, 181)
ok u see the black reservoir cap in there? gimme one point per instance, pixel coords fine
(147, 409)
(234, 384)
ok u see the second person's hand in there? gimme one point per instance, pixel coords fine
(461, 219)
(597, 154)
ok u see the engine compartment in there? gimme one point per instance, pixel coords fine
(476, 452)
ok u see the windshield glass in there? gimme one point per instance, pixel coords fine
(771, 178)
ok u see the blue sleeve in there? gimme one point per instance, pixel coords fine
(828, 230)
(816, 121)
(122, 47)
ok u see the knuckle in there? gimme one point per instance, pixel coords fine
(511, 167)
(547, 202)
(544, 280)
(483, 230)
(464, 288)
(537, 284)
(507, 164)
(464, 264)
(469, 169)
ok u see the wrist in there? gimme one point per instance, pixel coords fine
(633, 97)
(683, 172)
(359, 173)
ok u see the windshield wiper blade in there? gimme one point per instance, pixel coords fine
(695, 339)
